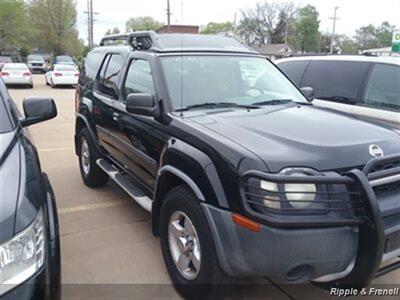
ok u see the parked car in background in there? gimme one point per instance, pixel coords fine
(62, 75)
(365, 86)
(37, 63)
(16, 74)
(4, 59)
(29, 235)
(64, 60)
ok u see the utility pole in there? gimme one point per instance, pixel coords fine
(334, 27)
(90, 22)
(168, 15)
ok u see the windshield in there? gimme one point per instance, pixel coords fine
(35, 57)
(238, 80)
(20, 67)
(64, 68)
(64, 59)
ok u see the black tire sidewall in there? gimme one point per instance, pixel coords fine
(183, 199)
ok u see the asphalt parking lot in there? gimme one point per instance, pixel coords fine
(105, 237)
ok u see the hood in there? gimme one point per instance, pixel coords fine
(301, 136)
(10, 170)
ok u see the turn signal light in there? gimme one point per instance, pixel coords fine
(246, 223)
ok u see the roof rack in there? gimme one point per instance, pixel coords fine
(138, 40)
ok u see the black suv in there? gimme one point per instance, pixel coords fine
(243, 176)
(29, 236)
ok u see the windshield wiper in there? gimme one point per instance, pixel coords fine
(217, 105)
(273, 102)
(340, 99)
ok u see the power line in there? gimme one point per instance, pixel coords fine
(334, 27)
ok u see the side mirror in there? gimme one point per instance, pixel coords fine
(308, 92)
(37, 110)
(141, 104)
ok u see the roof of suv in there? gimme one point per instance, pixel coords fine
(395, 60)
(164, 43)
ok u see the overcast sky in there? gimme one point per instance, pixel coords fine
(352, 13)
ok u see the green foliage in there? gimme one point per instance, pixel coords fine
(348, 45)
(306, 36)
(13, 26)
(54, 25)
(115, 30)
(268, 22)
(368, 37)
(214, 28)
(142, 23)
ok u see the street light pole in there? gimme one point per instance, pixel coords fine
(334, 28)
(168, 15)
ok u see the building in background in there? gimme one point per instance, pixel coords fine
(179, 29)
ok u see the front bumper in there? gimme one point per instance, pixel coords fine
(45, 284)
(330, 250)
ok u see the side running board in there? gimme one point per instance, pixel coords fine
(126, 184)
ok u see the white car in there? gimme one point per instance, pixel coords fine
(62, 75)
(365, 86)
(16, 74)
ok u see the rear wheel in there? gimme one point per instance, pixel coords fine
(188, 247)
(91, 173)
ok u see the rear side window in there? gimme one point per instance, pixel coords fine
(383, 88)
(294, 70)
(335, 78)
(139, 78)
(109, 75)
(92, 64)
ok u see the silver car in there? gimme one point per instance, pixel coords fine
(365, 86)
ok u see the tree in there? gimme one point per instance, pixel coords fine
(142, 23)
(385, 34)
(348, 45)
(268, 22)
(54, 25)
(369, 37)
(214, 28)
(115, 30)
(306, 36)
(366, 37)
(13, 26)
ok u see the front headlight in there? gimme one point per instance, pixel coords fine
(300, 195)
(23, 255)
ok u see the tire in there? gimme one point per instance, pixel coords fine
(53, 86)
(210, 281)
(91, 173)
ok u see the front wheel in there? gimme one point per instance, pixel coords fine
(188, 247)
(91, 173)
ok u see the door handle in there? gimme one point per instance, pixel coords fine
(115, 117)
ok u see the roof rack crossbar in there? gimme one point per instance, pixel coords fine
(138, 40)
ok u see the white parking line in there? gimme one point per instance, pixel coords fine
(105, 204)
(55, 149)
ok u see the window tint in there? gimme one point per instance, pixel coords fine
(139, 78)
(5, 124)
(383, 88)
(109, 75)
(92, 63)
(294, 69)
(335, 78)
